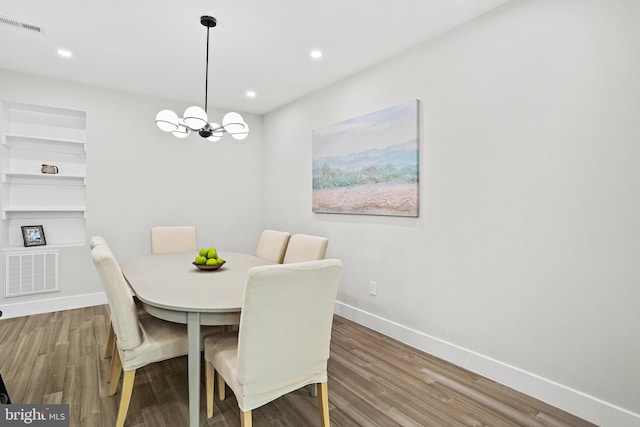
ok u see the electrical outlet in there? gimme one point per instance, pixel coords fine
(373, 288)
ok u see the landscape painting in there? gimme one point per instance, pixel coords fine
(369, 164)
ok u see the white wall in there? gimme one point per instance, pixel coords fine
(523, 263)
(138, 177)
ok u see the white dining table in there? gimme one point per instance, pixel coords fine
(173, 289)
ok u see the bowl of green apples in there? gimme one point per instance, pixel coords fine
(208, 259)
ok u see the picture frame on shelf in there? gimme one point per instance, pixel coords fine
(33, 235)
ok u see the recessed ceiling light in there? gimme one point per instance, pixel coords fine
(251, 94)
(316, 54)
(64, 52)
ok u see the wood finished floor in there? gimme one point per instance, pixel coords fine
(373, 381)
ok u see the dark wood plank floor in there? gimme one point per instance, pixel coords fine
(373, 381)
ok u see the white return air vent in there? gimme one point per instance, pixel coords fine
(22, 25)
(31, 273)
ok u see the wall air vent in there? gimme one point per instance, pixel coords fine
(31, 273)
(17, 24)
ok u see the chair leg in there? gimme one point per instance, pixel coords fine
(125, 399)
(245, 419)
(323, 403)
(221, 386)
(114, 372)
(209, 373)
(313, 390)
(108, 350)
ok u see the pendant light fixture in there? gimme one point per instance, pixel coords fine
(195, 118)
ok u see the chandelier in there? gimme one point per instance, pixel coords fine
(195, 118)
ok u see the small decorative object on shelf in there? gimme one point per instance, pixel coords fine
(49, 169)
(33, 235)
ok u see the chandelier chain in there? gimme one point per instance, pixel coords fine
(206, 79)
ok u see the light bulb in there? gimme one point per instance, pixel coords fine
(167, 121)
(242, 134)
(233, 123)
(195, 118)
(182, 131)
(216, 132)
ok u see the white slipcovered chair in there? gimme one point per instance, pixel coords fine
(98, 241)
(139, 341)
(283, 340)
(272, 245)
(108, 350)
(174, 239)
(304, 247)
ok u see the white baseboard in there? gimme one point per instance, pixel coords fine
(573, 401)
(570, 400)
(48, 305)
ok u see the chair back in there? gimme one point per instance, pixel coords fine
(124, 314)
(285, 326)
(165, 240)
(98, 241)
(303, 247)
(272, 245)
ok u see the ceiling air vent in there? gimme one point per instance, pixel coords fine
(15, 23)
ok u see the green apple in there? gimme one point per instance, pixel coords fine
(212, 261)
(204, 252)
(212, 253)
(200, 260)
(219, 260)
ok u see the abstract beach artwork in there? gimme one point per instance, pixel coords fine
(368, 164)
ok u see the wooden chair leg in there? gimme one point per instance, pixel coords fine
(125, 399)
(323, 403)
(209, 373)
(221, 386)
(245, 419)
(108, 350)
(114, 372)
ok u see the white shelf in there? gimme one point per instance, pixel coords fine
(12, 136)
(43, 176)
(41, 211)
(42, 248)
(45, 209)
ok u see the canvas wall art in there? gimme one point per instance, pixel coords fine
(369, 164)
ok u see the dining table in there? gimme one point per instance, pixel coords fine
(172, 288)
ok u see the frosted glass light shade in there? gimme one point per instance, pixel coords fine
(233, 123)
(216, 132)
(182, 131)
(195, 118)
(242, 134)
(167, 121)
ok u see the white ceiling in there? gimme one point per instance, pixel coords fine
(158, 46)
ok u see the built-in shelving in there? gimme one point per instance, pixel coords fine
(31, 136)
(11, 139)
(40, 176)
